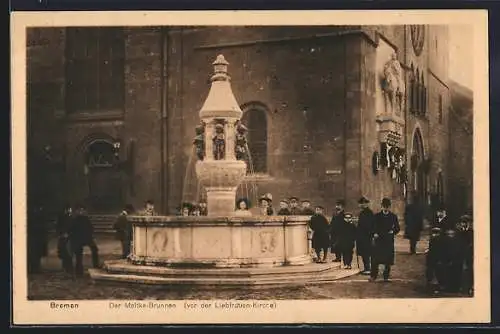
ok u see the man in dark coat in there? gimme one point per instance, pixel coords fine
(123, 230)
(294, 206)
(364, 234)
(347, 240)
(452, 260)
(336, 222)
(320, 238)
(414, 222)
(37, 233)
(466, 234)
(81, 235)
(432, 258)
(385, 227)
(63, 225)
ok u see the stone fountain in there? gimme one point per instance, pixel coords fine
(220, 248)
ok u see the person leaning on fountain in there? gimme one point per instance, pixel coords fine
(306, 208)
(219, 142)
(242, 207)
(294, 206)
(284, 210)
(266, 208)
(149, 209)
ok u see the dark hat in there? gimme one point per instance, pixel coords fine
(306, 201)
(386, 202)
(293, 198)
(363, 200)
(435, 229)
(340, 202)
(319, 207)
(348, 215)
(267, 197)
(441, 208)
(284, 201)
(149, 201)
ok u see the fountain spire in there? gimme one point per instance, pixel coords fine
(219, 171)
(220, 101)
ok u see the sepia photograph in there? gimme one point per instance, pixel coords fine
(245, 164)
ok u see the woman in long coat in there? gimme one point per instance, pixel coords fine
(386, 226)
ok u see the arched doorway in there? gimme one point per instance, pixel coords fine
(103, 178)
(255, 119)
(418, 166)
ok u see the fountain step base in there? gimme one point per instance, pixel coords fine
(123, 272)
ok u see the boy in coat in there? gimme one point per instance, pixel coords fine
(320, 238)
(347, 240)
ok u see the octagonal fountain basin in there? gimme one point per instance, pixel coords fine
(220, 251)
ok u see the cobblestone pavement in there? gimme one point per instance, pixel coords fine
(407, 281)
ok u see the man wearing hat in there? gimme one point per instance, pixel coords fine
(284, 210)
(335, 230)
(414, 221)
(364, 234)
(306, 208)
(294, 206)
(266, 208)
(442, 221)
(385, 227)
(466, 234)
(432, 258)
(320, 239)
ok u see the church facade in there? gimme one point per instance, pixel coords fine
(333, 112)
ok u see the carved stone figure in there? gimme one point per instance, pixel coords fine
(219, 140)
(160, 241)
(241, 141)
(267, 241)
(393, 84)
(199, 141)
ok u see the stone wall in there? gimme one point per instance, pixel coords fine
(318, 86)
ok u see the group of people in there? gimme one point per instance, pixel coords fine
(74, 231)
(449, 258)
(372, 234)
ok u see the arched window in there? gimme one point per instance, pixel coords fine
(417, 168)
(255, 119)
(440, 188)
(94, 69)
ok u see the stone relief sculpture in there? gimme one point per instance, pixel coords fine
(267, 241)
(219, 141)
(393, 85)
(241, 141)
(160, 241)
(199, 141)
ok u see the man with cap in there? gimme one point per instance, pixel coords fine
(335, 224)
(385, 227)
(320, 239)
(284, 210)
(364, 234)
(294, 206)
(414, 221)
(266, 208)
(306, 208)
